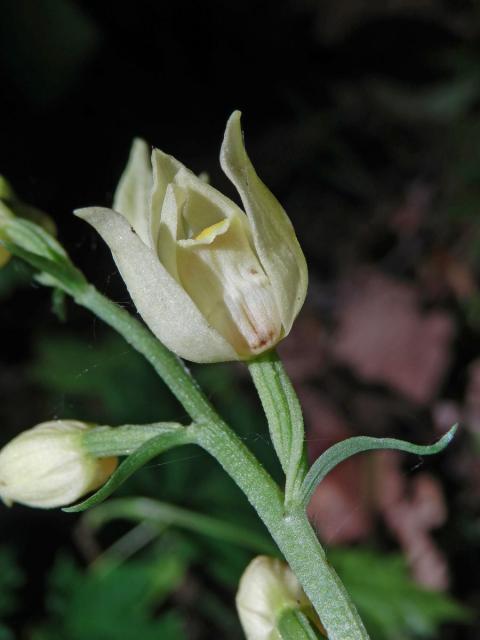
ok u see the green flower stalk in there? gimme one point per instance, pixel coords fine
(213, 283)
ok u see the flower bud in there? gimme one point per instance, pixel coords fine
(211, 281)
(268, 587)
(10, 208)
(48, 466)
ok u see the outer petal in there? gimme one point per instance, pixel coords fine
(165, 168)
(222, 274)
(132, 197)
(163, 304)
(274, 237)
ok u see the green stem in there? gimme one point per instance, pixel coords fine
(168, 366)
(290, 530)
(285, 419)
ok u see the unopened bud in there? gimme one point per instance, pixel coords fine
(267, 588)
(48, 466)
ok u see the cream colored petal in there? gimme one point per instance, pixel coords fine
(222, 275)
(171, 228)
(273, 233)
(163, 304)
(267, 587)
(47, 466)
(206, 205)
(165, 168)
(132, 197)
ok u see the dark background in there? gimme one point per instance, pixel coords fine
(362, 117)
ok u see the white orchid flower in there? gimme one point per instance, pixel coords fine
(213, 283)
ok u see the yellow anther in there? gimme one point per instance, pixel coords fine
(209, 231)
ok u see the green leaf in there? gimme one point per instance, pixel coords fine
(54, 272)
(163, 514)
(33, 238)
(36, 246)
(343, 450)
(116, 603)
(292, 624)
(141, 456)
(390, 603)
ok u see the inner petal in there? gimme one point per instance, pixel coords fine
(199, 213)
(222, 274)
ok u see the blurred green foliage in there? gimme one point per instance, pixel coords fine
(101, 379)
(170, 589)
(156, 580)
(391, 604)
(116, 604)
(14, 275)
(360, 125)
(11, 579)
(44, 45)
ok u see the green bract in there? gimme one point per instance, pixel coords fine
(12, 207)
(211, 282)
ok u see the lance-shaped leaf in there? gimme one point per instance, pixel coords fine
(343, 450)
(293, 624)
(141, 456)
(41, 250)
(162, 515)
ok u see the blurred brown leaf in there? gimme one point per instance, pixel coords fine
(385, 337)
(340, 508)
(411, 509)
(407, 218)
(304, 352)
(444, 273)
